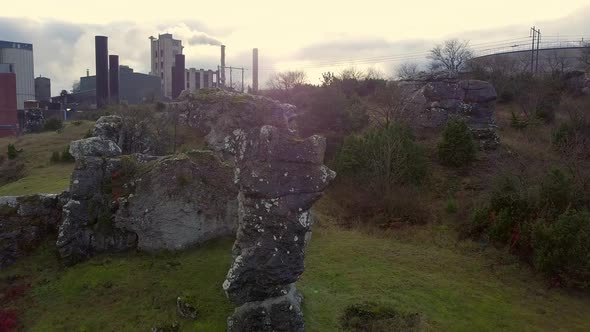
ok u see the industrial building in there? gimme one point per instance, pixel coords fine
(168, 63)
(8, 115)
(42, 89)
(134, 88)
(163, 52)
(20, 56)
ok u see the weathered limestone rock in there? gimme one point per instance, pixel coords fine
(180, 201)
(109, 128)
(440, 98)
(24, 222)
(87, 227)
(279, 176)
(123, 202)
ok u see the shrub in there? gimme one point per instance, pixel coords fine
(88, 133)
(77, 122)
(54, 157)
(562, 248)
(518, 122)
(53, 124)
(457, 147)
(66, 156)
(451, 206)
(540, 223)
(383, 157)
(379, 318)
(13, 152)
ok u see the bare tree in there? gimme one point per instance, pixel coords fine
(558, 62)
(374, 74)
(585, 55)
(351, 73)
(452, 55)
(392, 103)
(287, 80)
(407, 70)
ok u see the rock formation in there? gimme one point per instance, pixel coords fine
(439, 98)
(24, 222)
(279, 176)
(123, 202)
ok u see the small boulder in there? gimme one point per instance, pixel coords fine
(94, 147)
(184, 308)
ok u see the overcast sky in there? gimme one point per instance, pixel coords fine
(313, 35)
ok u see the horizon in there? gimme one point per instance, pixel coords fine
(335, 38)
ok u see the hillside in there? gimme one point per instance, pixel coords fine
(454, 285)
(41, 175)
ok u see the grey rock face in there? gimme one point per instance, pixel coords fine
(94, 147)
(443, 98)
(123, 202)
(282, 313)
(108, 128)
(279, 176)
(25, 221)
(88, 227)
(180, 201)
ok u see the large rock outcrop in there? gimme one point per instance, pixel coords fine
(439, 98)
(25, 221)
(126, 202)
(87, 226)
(178, 201)
(279, 176)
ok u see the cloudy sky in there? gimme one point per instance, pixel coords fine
(312, 35)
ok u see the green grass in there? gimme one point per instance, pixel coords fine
(42, 176)
(457, 286)
(131, 292)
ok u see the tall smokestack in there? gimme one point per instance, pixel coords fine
(255, 70)
(178, 76)
(222, 65)
(114, 79)
(102, 70)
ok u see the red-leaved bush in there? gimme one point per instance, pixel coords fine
(8, 319)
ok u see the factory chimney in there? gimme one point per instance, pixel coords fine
(222, 65)
(255, 70)
(178, 76)
(114, 79)
(102, 70)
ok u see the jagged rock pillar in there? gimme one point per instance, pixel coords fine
(280, 177)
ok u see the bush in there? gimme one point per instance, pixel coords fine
(451, 206)
(13, 152)
(562, 249)
(540, 224)
(54, 157)
(53, 124)
(379, 318)
(457, 147)
(66, 156)
(383, 157)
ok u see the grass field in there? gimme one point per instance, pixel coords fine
(457, 286)
(42, 176)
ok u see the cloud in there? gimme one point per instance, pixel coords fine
(63, 51)
(203, 39)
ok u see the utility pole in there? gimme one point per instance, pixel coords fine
(536, 34)
(538, 42)
(533, 33)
